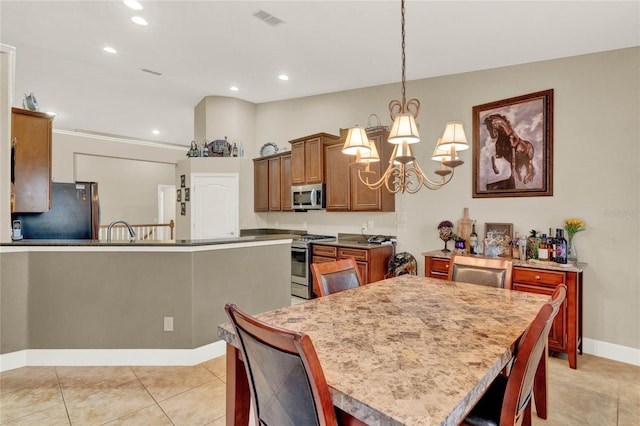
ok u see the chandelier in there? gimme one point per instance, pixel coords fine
(403, 173)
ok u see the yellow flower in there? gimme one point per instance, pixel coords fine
(573, 226)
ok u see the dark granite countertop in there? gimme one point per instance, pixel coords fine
(148, 243)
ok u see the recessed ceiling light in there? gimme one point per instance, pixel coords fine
(155, 132)
(139, 20)
(109, 49)
(283, 77)
(234, 88)
(133, 4)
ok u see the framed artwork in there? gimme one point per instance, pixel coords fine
(183, 181)
(183, 209)
(500, 234)
(513, 147)
(179, 195)
(187, 194)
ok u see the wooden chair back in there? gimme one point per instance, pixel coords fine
(286, 381)
(517, 398)
(332, 277)
(493, 272)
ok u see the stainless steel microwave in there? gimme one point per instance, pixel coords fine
(308, 197)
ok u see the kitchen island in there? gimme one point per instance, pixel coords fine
(113, 301)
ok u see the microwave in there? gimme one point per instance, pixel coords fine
(308, 197)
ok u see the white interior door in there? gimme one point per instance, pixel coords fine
(215, 206)
(166, 208)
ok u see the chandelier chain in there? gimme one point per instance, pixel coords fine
(404, 97)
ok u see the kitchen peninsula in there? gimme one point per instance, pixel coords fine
(98, 295)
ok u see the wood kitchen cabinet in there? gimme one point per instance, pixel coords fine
(307, 158)
(31, 134)
(345, 191)
(272, 183)
(372, 262)
(566, 332)
(260, 185)
(362, 198)
(337, 178)
(285, 182)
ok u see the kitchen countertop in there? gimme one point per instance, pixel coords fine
(147, 243)
(531, 263)
(354, 241)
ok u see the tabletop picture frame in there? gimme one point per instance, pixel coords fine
(513, 147)
(502, 234)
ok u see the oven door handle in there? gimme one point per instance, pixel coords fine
(298, 249)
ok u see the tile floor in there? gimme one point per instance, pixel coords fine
(600, 392)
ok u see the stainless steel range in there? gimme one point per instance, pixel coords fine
(301, 284)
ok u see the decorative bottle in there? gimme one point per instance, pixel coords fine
(561, 247)
(234, 150)
(551, 245)
(532, 245)
(543, 251)
(473, 239)
(515, 246)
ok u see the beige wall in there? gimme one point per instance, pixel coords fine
(596, 173)
(7, 64)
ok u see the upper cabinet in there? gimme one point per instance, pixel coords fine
(31, 160)
(307, 162)
(272, 183)
(345, 190)
(363, 198)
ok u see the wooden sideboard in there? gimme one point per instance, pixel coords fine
(566, 333)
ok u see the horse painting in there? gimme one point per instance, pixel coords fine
(517, 151)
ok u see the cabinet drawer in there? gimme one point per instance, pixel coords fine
(357, 254)
(539, 277)
(320, 259)
(440, 265)
(327, 251)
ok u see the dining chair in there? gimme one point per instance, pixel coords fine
(332, 277)
(507, 402)
(287, 384)
(492, 272)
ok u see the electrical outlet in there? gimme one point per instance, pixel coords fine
(401, 217)
(370, 225)
(168, 323)
(363, 227)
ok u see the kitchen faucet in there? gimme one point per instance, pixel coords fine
(132, 233)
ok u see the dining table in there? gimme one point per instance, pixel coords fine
(407, 350)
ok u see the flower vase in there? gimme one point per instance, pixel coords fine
(572, 256)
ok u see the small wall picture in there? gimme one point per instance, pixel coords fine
(183, 209)
(187, 194)
(499, 235)
(179, 195)
(183, 181)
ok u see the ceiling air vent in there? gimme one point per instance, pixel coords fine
(268, 18)
(151, 71)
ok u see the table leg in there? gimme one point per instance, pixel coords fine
(238, 395)
(540, 384)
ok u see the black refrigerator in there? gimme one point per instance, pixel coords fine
(74, 214)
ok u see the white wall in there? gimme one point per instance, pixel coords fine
(596, 173)
(7, 64)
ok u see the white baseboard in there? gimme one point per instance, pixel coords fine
(98, 357)
(611, 351)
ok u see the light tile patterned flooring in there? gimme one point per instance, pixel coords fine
(600, 392)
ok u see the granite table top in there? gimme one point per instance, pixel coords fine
(410, 350)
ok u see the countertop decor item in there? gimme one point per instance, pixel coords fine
(268, 148)
(403, 173)
(572, 226)
(464, 227)
(29, 102)
(445, 230)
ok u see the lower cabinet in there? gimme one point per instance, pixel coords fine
(566, 332)
(372, 262)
